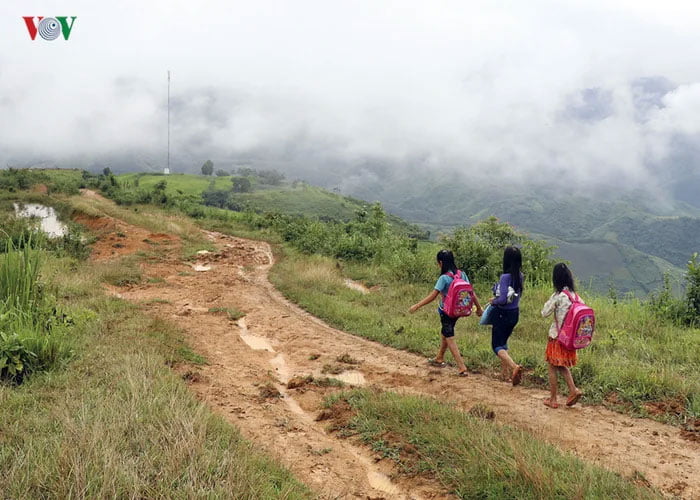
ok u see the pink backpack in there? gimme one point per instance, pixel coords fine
(577, 330)
(459, 300)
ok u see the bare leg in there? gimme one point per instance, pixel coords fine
(505, 358)
(452, 346)
(553, 383)
(574, 392)
(505, 370)
(517, 370)
(441, 352)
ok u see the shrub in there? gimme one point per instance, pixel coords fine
(479, 251)
(683, 311)
(693, 289)
(30, 335)
(15, 358)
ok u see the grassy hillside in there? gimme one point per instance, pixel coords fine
(604, 264)
(295, 198)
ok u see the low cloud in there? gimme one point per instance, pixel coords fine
(589, 92)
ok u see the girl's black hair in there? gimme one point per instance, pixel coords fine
(512, 263)
(447, 259)
(562, 277)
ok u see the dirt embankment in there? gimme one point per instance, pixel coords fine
(252, 359)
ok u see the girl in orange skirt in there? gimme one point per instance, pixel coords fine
(558, 357)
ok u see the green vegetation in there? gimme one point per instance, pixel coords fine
(102, 414)
(33, 333)
(56, 181)
(208, 168)
(646, 237)
(471, 457)
(683, 311)
(231, 312)
(264, 193)
(636, 359)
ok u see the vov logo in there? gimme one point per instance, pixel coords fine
(49, 28)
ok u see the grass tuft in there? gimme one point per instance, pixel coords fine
(472, 457)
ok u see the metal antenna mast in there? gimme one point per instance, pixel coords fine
(168, 167)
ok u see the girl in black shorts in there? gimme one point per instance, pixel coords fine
(446, 263)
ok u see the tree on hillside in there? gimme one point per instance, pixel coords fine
(208, 168)
(370, 222)
(241, 184)
(246, 171)
(479, 251)
(222, 173)
(271, 177)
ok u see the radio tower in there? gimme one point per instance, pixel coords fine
(166, 170)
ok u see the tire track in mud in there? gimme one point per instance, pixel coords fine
(276, 340)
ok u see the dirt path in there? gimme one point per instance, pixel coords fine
(252, 358)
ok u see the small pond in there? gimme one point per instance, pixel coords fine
(48, 219)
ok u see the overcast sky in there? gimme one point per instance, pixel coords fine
(527, 87)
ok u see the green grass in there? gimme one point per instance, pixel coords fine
(470, 456)
(232, 313)
(635, 357)
(185, 183)
(126, 272)
(302, 200)
(117, 422)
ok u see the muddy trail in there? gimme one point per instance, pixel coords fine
(251, 360)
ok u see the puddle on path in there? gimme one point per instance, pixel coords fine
(253, 341)
(48, 219)
(280, 365)
(293, 405)
(352, 377)
(378, 480)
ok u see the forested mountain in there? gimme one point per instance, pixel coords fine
(627, 241)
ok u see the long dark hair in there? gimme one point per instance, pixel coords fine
(562, 277)
(512, 263)
(447, 260)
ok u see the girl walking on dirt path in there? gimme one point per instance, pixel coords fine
(446, 263)
(506, 300)
(560, 359)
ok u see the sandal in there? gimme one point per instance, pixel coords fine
(436, 363)
(463, 374)
(548, 402)
(573, 399)
(517, 375)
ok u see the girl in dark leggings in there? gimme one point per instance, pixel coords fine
(506, 300)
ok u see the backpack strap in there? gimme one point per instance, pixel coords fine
(572, 298)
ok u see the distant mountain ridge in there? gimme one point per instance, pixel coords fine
(628, 241)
